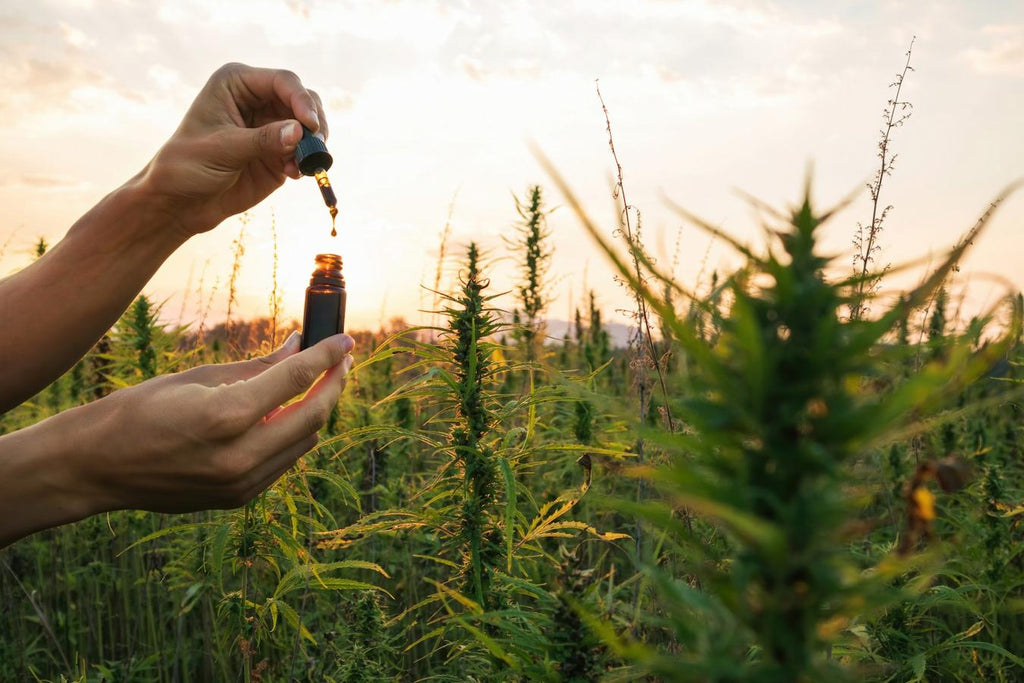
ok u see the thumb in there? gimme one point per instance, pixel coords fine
(274, 140)
(247, 369)
(228, 373)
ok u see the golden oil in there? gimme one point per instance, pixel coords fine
(324, 312)
(329, 198)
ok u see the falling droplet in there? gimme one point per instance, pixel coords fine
(334, 218)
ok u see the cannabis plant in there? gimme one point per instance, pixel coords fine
(776, 417)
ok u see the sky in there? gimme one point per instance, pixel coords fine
(433, 105)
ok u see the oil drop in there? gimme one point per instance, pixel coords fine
(312, 158)
(329, 198)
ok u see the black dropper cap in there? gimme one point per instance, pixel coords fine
(311, 154)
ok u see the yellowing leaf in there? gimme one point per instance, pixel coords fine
(924, 502)
(973, 630)
(832, 627)
(1010, 510)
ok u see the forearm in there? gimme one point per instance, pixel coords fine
(209, 437)
(59, 306)
(42, 483)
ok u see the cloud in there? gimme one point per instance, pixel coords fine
(164, 77)
(1004, 55)
(337, 99)
(299, 7)
(518, 68)
(50, 67)
(34, 85)
(684, 41)
(76, 37)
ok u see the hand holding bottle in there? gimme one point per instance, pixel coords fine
(210, 437)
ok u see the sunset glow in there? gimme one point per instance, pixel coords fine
(432, 104)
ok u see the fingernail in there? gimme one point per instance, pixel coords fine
(292, 342)
(290, 134)
(347, 342)
(347, 364)
(316, 119)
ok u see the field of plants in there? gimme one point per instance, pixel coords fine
(784, 477)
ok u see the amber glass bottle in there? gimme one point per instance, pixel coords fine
(325, 301)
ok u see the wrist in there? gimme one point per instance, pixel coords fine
(47, 486)
(162, 216)
(135, 219)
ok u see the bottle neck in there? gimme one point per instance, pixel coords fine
(321, 279)
(328, 271)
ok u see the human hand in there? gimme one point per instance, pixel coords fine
(234, 147)
(210, 437)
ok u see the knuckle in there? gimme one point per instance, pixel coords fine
(315, 417)
(229, 419)
(261, 363)
(335, 353)
(301, 376)
(228, 69)
(261, 139)
(289, 76)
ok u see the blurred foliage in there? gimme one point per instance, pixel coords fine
(827, 497)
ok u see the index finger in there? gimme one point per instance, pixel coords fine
(228, 373)
(292, 376)
(285, 87)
